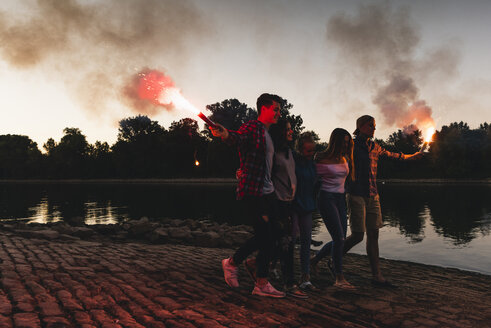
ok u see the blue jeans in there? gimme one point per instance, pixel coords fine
(332, 207)
(302, 225)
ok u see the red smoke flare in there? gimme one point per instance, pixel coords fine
(159, 89)
(152, 84)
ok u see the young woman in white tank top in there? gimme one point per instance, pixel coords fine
(333, 167)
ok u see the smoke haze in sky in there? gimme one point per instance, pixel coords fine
(380, 44)
(97, 48)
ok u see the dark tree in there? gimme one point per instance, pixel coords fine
(140, 151)
(101, 160)
(221, 159)
(186, 146)
(405, 142)
(136, 128)
(20, 157)
(451, 152)
(68, 158)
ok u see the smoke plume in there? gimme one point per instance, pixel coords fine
(96, 48)
(380, 44)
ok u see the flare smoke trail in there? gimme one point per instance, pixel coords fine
(380, 44)
(96, 48)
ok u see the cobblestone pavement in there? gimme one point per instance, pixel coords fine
(106, 284)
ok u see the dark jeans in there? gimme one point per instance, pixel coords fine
(284, 246)
(262, 241)
(302, 225)
(332, 207)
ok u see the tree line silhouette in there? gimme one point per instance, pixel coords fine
(145, 149)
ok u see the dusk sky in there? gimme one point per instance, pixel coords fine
(66, 63)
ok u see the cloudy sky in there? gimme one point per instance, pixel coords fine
(67, 63)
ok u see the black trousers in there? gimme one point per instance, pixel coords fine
(263, 240)
(283, 242)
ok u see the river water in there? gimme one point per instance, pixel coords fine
(445, 224)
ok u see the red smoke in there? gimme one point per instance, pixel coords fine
(144, 89)
(151, 84)
(151, 89)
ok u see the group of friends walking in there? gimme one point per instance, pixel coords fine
(281, 188)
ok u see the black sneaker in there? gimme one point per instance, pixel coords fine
(296, 292)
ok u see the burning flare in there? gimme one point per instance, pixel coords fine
(428, 137)
(159, 89)
(429, 134)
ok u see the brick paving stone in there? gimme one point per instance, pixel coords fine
(374, 306)
(179, 324)
(26, 320)
(87, 284)
(5, 321)
(104, 319)
(5, 305)
(50, 308)
(82, 318)
(150, 322)
(168, 303)
(124, 317)
(67, 301)
(56, 322)
(160, 313)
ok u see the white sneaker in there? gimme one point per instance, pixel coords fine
(267, 290)
(230, 273)
(307, 285)
(275, 274)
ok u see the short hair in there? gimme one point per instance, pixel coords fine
(361, 121)
(266, 99)
(304, 138)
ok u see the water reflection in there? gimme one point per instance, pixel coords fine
(109, 203)
(458, 213)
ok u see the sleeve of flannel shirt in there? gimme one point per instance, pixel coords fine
(389, 154)
(242, 136)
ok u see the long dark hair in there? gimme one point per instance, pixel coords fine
(335, 149)
(278, 133)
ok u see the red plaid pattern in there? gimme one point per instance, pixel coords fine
(252, 154)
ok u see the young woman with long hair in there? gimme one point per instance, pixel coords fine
(334, 167)
(285, 184)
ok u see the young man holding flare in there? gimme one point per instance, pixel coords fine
(363, 200)
(255, 187)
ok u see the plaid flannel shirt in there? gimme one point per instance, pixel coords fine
(366, 155)
(251, 144)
